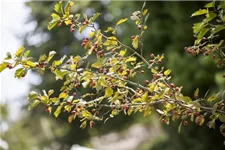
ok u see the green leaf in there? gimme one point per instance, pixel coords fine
(18, 73)
(130, 59)
(94, 17)
(108, 92)
(121, 21)
(59, 74)
(167, 72)
(209, 5)
(209, 17)
(196, 93)
(212, 98)
(218, 28)
(50, 55)
(135, 42)
(58, 7)
(52, 24)
(33, 104)
(202, 32)
(67, 7)
(19, 51)
(144, 97)
(199, 12)
(32, 95)
(26, 53)
(222, 117)
(58, 110)
(30, 64)
(55, 16)
(3, 66)
(8, 56)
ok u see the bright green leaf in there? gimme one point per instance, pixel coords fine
(199, 12)
(108, 92)
(121, 21)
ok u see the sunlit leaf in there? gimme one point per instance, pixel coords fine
(167, 72)
(199, 12)
(19, 51)
(58, 7)
(108, 92)
(121, 21)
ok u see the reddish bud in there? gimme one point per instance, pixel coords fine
(121, 70)
(93, 110)
(67, 62)
(172, 85)
(92, 123)
(185, 122)
(151, 61)
(223, 76)
(83, 44)
(152, 55)
(159, 61)
(59, 24)
(133, 37)
(72, 30)
(84, 23)
(93, 84)
(70, 24)
(100, 70)
(142, 72)
(124, 107)
(74, 94)
(163, 120)
(147, 82)
(97, 112)
(139, 27)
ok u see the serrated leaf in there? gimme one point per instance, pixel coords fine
(32, 95)
(108, 92)
(121, 21)
(59, 74)
(19, 51)
(94, 17)
(196, 93)
(167, 72)
(209, 5)
(55, 16)
(199, 12)
(58, 7)
(68, 7)
(52, 24)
